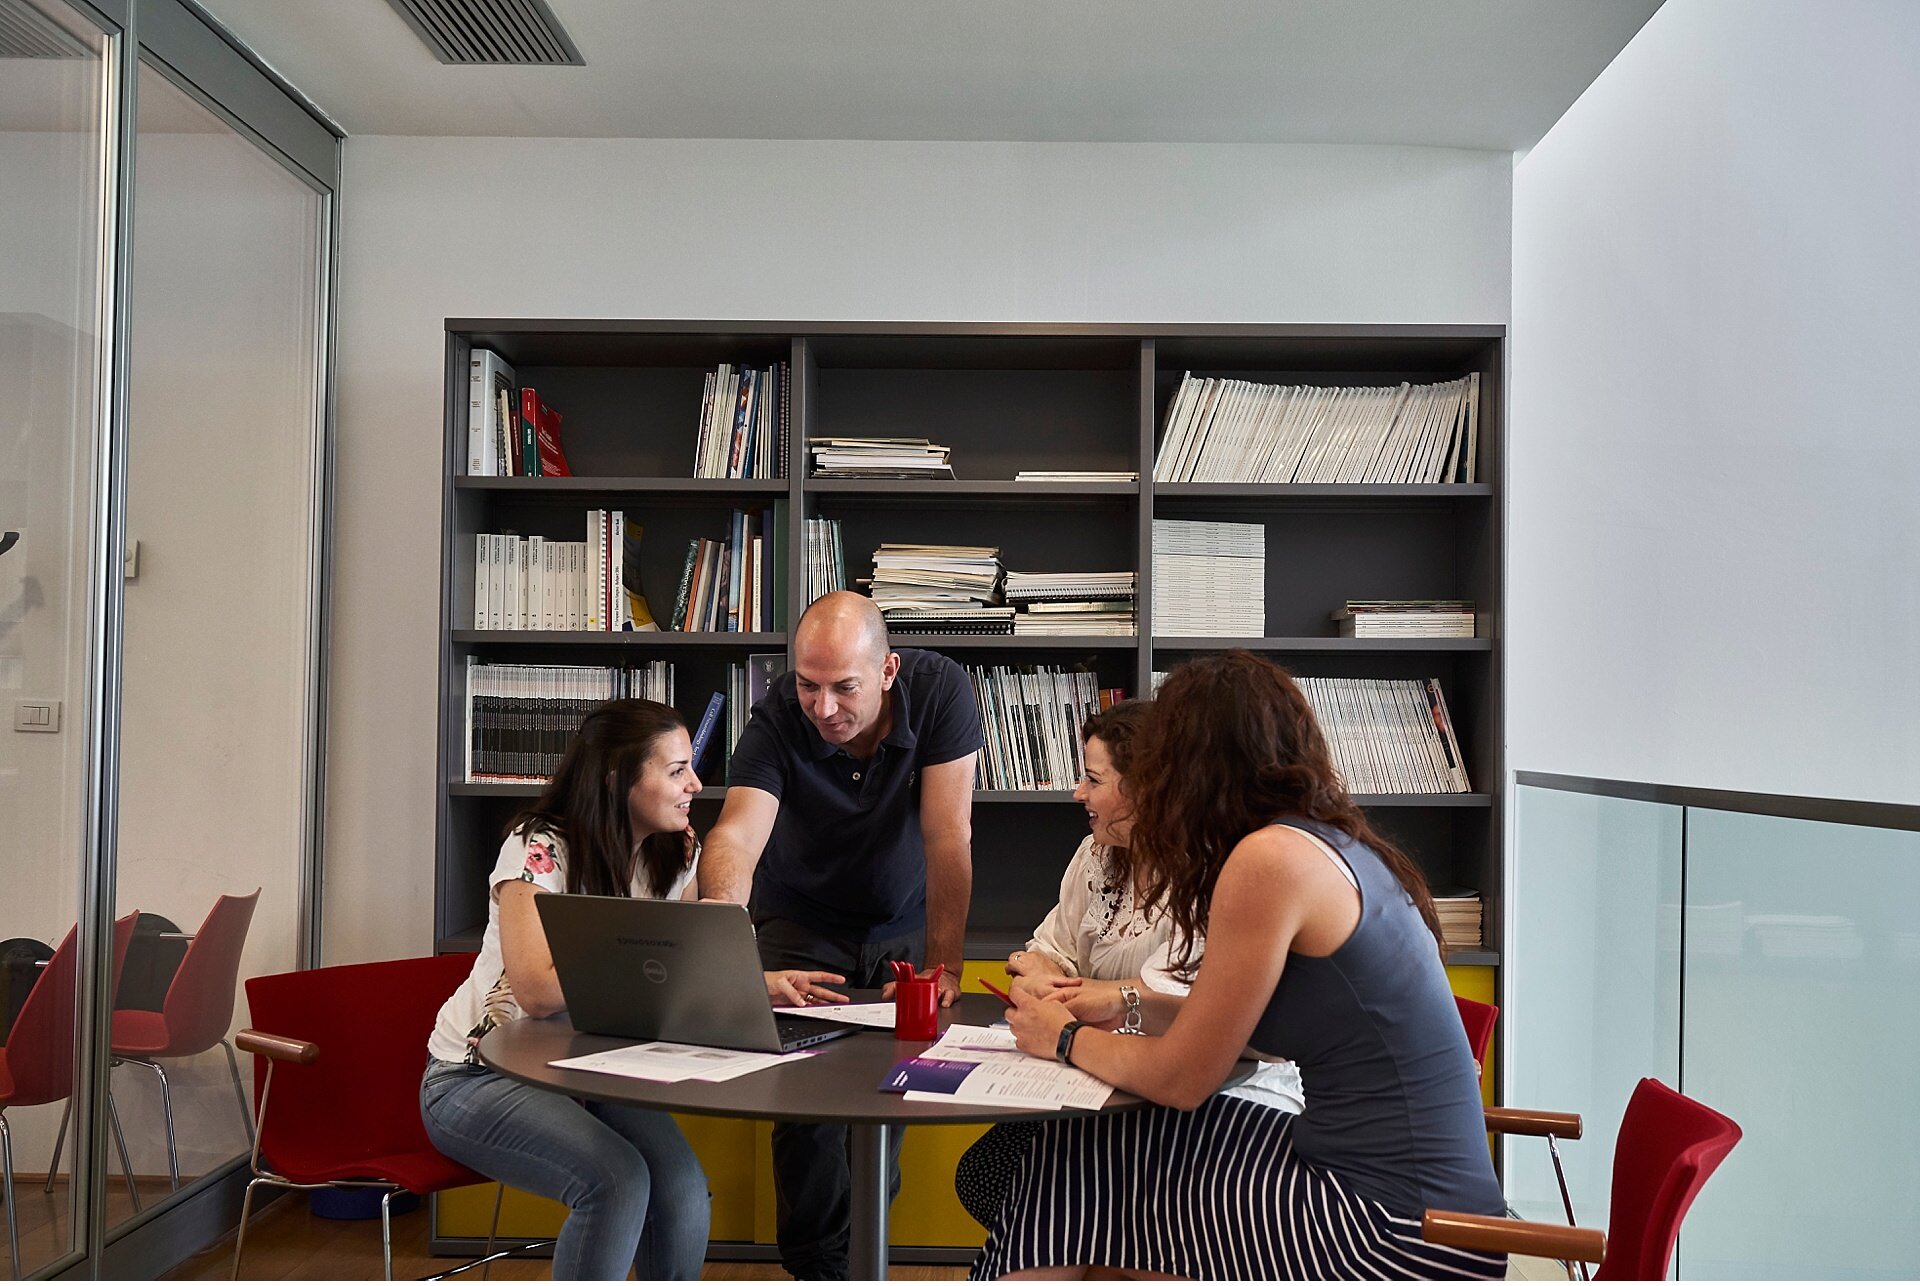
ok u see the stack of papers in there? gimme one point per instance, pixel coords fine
(663, 1060)
(879, 458)
(1209, 578)
(873, 1015)
(983, 1065)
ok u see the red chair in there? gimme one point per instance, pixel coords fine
(36, 1063)
(1478, 1019)
(1668, 1146)
(196, 1013)
(342, 1051)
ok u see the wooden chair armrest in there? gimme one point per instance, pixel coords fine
(1514, 1236)
(1520, 1120)
(285, 1048)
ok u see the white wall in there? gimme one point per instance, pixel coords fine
(434, 228)
(1715, 468)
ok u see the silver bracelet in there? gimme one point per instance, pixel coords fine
(1131, 1027)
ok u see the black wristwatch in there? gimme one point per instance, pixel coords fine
(1064, 1050)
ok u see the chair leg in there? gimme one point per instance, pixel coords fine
(233, 1065)
(59, 1140)
(120, 1140)
(6, 1173)
(386, 1231)
(240, 1237)
(493, 1231)
(166, 1108)
(1566, 1200)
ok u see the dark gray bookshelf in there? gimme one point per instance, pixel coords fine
(1006, 398)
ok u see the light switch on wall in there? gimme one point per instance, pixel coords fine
(36, 716)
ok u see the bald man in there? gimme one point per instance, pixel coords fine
(848, 831)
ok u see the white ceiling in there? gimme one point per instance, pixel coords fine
(1491, 74)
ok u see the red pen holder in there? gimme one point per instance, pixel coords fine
(916, 1010)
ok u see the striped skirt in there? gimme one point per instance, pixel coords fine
(1215, 1194)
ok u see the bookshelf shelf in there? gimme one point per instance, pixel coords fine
(716, 488)
(1284, 491)
(963, 488)
(1455, 800)
(1322, 645)
(532, 789)
(1006, 398)
(623, 638)
(1019, 642)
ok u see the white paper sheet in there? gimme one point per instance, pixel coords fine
(874, 1015)
(1007, 1077)
(660, 1060)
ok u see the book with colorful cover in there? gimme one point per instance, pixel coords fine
(552, 460)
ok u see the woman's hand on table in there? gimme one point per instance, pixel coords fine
(1045, 985)
(803, 987)
(1036, 1024)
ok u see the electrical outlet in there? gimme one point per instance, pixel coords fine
(36, 716)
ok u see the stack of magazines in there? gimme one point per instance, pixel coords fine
(1057, 603)
(1209, 578)
(879, 458)
(1459, 911)
(1428, 618)
(940, 589)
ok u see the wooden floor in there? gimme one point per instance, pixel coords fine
(43, 1223)
(287, 1243)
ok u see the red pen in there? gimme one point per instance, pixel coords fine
(996, 991)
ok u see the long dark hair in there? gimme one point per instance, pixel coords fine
(1233, 745)
(1118, 726)
(585, 804)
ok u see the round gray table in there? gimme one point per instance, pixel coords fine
(839, 1085)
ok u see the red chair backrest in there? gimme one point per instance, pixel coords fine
(1668, 1146)
(199, 1005)
(361, 1096)
(39, 1059)
(1478, 1019)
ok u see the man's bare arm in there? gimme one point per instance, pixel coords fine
(734, 845)
(946, 826)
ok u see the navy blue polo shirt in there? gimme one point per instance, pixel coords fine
(846, 856)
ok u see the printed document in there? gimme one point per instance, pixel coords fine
(876, 1015)
(661, 1060)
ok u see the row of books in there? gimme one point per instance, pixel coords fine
(511, 431)
(826, 559)
(521, 718)
(1433, 618)
(743, 423)
(879, 458)
(531, 583)
(737, 583)
(1388, 736)
(1030, 720)
(1225, 430)
(1209, 578)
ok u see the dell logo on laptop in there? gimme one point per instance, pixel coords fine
(654, 971)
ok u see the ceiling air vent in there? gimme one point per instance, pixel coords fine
(25, 32)
(521, 33)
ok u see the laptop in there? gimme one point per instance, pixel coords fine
(681, 971)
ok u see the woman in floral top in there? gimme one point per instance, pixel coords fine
(613, 822)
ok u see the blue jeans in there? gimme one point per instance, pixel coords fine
(636, 1192)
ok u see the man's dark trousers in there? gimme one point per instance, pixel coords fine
(812, 1178)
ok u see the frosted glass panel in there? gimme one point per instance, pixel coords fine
(1593, 991)
(1802, 994)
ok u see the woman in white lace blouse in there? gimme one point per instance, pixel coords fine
(1097, 937)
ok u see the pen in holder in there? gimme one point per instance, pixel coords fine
(916, 1004)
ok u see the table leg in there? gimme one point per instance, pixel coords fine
(867, 1255)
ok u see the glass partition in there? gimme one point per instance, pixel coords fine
(52, 151)
(222, 468)
(1802, 995)
(1593, 991)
